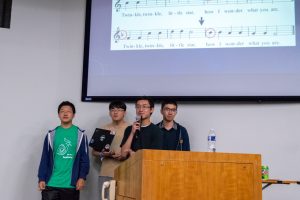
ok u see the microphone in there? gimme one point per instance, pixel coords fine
(138, 119)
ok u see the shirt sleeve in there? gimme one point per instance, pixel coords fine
(44, 162)
(186, 141)
(84, 158)
(126, 135)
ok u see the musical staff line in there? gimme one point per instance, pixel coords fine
(135, 4)
(208, 32)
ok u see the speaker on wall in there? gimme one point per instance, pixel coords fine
(5, 13)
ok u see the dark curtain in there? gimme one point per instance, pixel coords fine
(5, 13)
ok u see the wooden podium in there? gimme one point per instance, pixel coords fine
(174, 175)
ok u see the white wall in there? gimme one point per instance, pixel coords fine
(41, 65)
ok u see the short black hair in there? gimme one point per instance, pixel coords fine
(151, 102)
(66, 103)
(165, 102)
(117, 104)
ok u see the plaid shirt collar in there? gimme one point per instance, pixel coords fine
(161, 125)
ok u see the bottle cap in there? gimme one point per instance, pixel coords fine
(211, 130)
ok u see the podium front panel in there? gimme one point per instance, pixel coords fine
(169, 175)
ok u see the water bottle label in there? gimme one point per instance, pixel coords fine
(265, 172)
(211, 138)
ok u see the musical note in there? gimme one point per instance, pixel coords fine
(171, 34)
(180, 34)
(266, 31)
(140, 36)
(158, 35)
(241, 31)
(126, 5)
(136, 4)
(148, 35)
(230, 31)
(210, 32)
(253, 30)
(219, 33)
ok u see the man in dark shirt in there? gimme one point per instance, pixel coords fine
(142, 134)
(175, 136)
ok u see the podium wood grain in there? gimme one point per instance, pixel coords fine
(169, 175)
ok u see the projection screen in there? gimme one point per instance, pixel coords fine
(192, 50)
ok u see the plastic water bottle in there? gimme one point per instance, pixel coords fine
(211, 139)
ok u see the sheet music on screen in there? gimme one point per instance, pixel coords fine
(192, 48)
(173, 24)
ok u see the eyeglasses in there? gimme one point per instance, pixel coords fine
(116, 110)
(170, 110)
(143, 107)
(65, 112)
